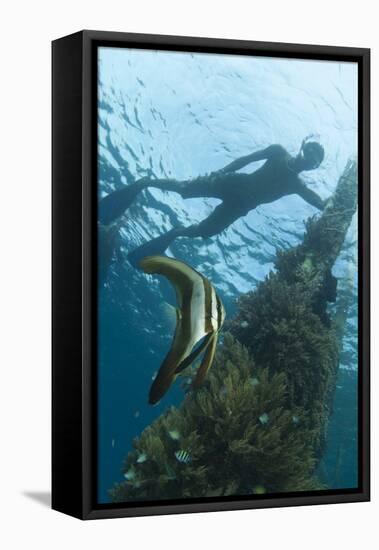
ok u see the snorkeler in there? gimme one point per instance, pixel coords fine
(239, 192)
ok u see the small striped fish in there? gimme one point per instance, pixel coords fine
(200, 316)
(183, 456)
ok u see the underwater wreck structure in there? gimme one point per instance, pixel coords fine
(259, 423)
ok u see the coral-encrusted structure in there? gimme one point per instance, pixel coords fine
(259, 423)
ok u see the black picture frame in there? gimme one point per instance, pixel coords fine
(74, 203)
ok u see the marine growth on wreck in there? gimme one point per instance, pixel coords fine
(259, 422)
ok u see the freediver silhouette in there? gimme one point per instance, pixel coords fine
(239, 192)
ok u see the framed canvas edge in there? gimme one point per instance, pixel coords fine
(66, 334)
(362, 55)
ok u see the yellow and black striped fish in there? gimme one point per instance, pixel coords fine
(200, 316)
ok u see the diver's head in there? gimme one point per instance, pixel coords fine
(310, 156)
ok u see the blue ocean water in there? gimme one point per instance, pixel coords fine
(181, 115)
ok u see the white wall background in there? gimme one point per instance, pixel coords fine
(27, 29)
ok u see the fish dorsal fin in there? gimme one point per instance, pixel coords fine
(178, 273)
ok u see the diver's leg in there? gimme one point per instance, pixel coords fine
(114, 205)
(207, 228)
(155, 246)
(200, 187)
(168, 185)
(221, 217)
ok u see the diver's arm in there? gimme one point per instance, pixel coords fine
(264, 154)
(310, 196)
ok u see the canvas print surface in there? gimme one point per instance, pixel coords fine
(227, 276)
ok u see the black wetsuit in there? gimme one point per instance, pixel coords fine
(240, 193)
